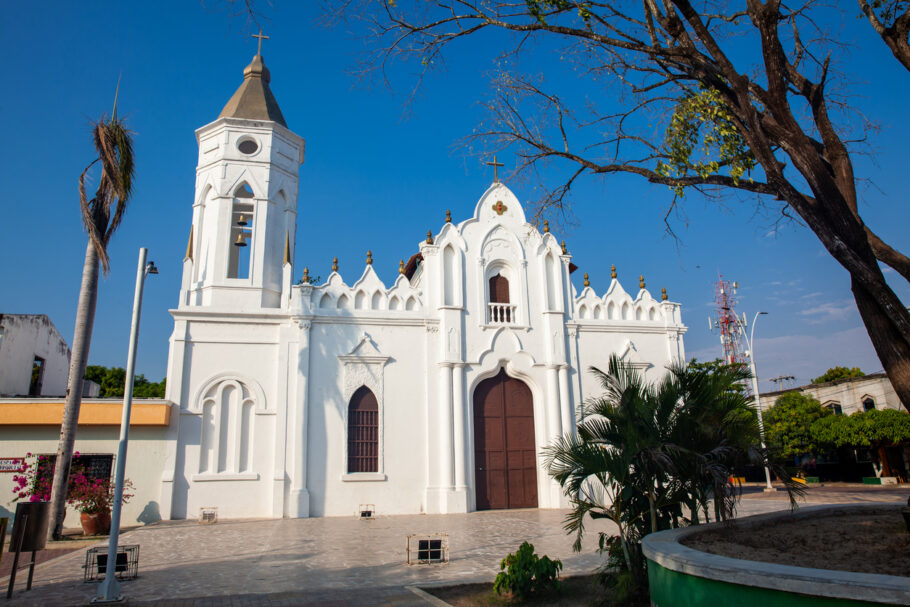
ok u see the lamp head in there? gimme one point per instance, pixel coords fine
(151, 268)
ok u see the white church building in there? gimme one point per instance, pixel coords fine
(436, 394)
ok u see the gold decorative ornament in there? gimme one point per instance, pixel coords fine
(429, 236)
(401, 267)
(587, 282)
(189, 247)
(335, 264)
(369, 258)
(641, 281)
(306, 275)
(564, 250)
(663, 293)
(448, 216)
(546, 226)
(500, 208)
(612, 271)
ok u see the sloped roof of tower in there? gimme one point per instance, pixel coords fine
(254, 100)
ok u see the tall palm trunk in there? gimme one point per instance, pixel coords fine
(82, 339)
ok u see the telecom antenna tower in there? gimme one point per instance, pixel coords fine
(727, 322)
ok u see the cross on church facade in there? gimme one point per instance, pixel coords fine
(495, 166)
(261, 38)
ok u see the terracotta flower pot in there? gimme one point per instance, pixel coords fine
(96, 523)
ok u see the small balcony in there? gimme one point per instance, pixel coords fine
(502, 314)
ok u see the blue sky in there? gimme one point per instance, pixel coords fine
(377, 176)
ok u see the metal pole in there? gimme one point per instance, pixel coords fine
(756, 399)
(109, 588)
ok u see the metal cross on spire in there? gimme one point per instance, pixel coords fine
(495, 166)
(261, 38)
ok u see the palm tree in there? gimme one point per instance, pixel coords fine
(646, 455)
(101, 215)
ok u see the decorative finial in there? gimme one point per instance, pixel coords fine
(663, 293)
(401, 267)
(369, 258)
(287, 247)
(587, 282)
(189, 247)
(495, 166)
(261, 38)
(564, 250)
(306, 275)
(448, 216)
(641, 281)
(429, 236)
(546, 226)
(335, 264)
(612, 271)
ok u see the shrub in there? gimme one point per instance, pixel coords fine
(524, 573)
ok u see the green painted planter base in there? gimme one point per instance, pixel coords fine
(674, 589)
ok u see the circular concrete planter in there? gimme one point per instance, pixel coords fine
(679, 576)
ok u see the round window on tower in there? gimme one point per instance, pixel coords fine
(247, 146)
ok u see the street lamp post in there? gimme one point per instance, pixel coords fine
(757, 401)
(109, 589)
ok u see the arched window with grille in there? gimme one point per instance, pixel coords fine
(363, 432)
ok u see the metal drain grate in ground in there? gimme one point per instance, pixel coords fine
(428, 549)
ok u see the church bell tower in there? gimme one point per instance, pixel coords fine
(241, 247)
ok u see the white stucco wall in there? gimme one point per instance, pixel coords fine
(25, 336)
(144, 464)
(848, 393)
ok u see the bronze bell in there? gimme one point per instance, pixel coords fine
(242, 221)
(241, 241)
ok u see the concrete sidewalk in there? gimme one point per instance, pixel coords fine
(328, 561)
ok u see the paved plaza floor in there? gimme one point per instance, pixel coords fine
(339, 561)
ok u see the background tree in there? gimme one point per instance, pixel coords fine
(101, 215)
(788, 423)
(747, 96)
(112, 382)
(838, 373)
(875, 429)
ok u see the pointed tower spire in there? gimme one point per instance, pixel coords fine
(254, 99)
(189, 247)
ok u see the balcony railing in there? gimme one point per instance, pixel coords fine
(502, 313)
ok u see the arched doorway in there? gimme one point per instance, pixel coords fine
(505, 462)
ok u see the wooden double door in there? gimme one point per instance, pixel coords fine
(505, 461)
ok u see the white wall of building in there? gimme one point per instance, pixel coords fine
(144, 463)
(22, 338)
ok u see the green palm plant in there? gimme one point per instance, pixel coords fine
(101, 216)
(651, 456)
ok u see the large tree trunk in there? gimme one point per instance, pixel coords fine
(892, 350)
(82, 339)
